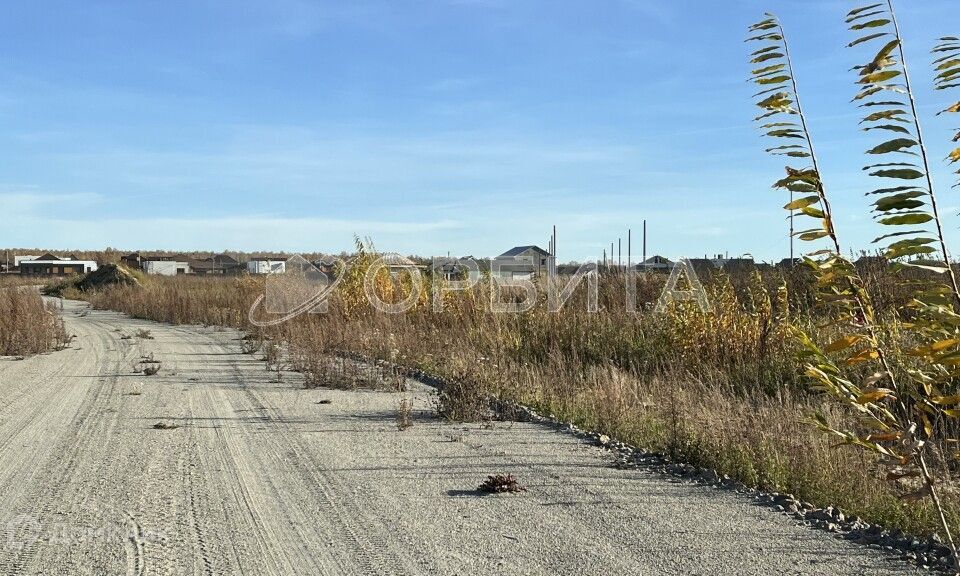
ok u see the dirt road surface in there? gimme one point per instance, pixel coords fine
(258, 477)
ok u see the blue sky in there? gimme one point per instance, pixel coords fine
(466, 126)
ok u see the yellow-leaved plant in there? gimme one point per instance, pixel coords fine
(904, 401)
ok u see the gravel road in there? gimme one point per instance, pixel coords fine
(259, 477)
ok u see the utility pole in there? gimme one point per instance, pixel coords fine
(553, 251)
(644, 241)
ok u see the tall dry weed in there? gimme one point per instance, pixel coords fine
(28, 325)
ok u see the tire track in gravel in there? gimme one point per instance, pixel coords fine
(202, 562)
(38, 397)
(370, 542)
(314, 508)
(43, 496)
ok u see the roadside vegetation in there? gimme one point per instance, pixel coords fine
(12, 280)
(27, 325)
(718, 389)
(181, 300)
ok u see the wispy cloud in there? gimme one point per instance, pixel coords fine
(453, 84)
(20, 204)
(658, 10)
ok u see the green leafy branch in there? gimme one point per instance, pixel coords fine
(947, 69)
(906, 200)
(898, 411)
(782, 117)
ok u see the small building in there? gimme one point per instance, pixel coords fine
(166, 267)
(50, 265)
(138, 261)
(326, 265)
(397, 263)
(655, 264)
(457, 268)
(132, 260)
(267, 265)
(708, 266)
(321, 271)
(521, 262)
(221, 264)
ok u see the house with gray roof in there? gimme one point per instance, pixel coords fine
(655, 264)
(521, 262)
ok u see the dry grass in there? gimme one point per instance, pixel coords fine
(404, 414)
(717, 389)
(183, 300)
(27, 325)
(16, 280)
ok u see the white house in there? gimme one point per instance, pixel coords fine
(165, 267)
(266, 266)
(50, 265)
